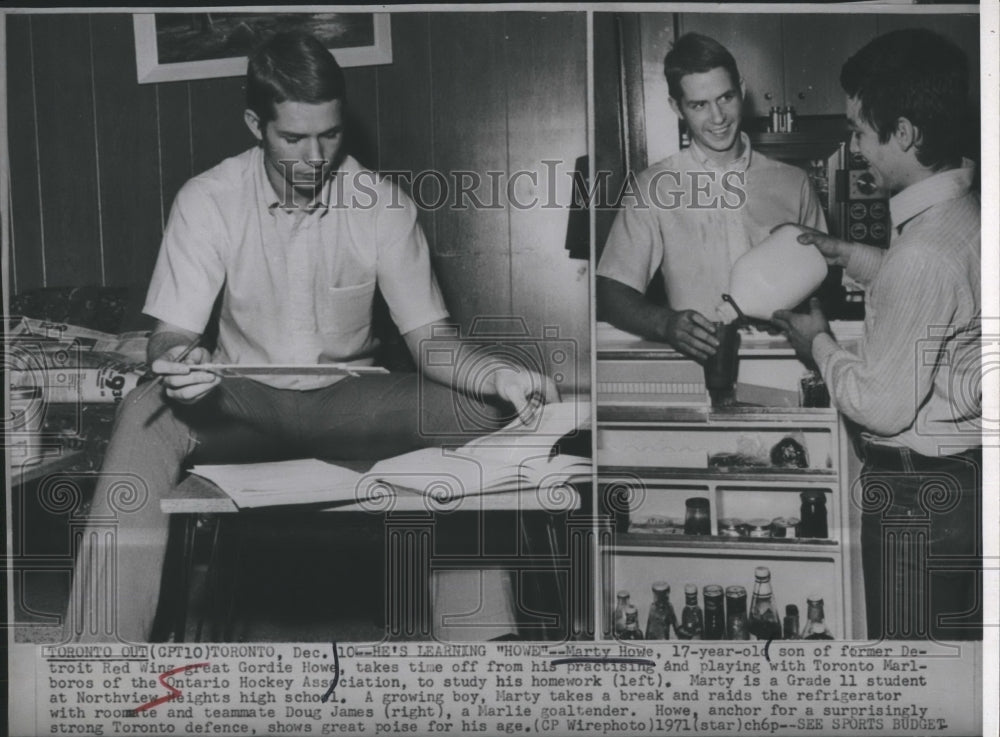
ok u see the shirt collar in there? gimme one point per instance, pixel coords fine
(937, 188)
(271, 203)
(705, 159)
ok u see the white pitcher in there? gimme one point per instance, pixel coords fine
(776, 274)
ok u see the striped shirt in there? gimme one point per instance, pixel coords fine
(915, 379)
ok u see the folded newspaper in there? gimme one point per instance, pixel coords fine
(514, 458)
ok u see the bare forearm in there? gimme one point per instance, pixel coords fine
(165, 337)
(627, 309)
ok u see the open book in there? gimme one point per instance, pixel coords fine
(515, 458)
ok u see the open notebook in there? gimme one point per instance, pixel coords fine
(512, 459)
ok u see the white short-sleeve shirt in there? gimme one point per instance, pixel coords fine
(692, 220)
(297, 285)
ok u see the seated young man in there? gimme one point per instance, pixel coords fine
(293, 236)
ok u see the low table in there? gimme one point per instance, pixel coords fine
(547, 536)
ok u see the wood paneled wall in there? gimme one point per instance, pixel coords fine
(96, 158)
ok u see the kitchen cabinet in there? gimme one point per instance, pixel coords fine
(788, 59)
(655, 451)
(795, 58)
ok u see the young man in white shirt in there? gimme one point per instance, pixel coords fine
(292, 237)
(913, 384)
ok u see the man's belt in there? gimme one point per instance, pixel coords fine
(894, 458)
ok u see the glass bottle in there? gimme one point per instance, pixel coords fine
(623, 601)
(815, 628)
(661, 613)
(715, 616)
(764, 621)
(791, 622)
(819, 632)
(692, 623)
(736, 613)
(813, 523)
(631, 631)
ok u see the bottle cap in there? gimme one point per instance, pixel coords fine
(791, 611)
(660, 587)
(814, 599)
(712, 590)
(690, 589)
(733, 592)
(623, 594)
(696, 502)
(762, 573)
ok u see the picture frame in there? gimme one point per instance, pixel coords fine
(174, 47)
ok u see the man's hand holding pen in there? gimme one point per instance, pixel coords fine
(176, 369)
(526, 390)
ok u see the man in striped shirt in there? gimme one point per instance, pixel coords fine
(912, 385)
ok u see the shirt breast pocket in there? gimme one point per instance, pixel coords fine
(347, 311)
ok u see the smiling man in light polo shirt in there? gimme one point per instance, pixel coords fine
(292, 237)
(697, 211)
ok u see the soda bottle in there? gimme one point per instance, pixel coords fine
(764, 621)
(661, 614)
(623, 601)
(631, 631)
(692, 624)
(815, 628)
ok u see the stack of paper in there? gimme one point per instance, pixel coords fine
(284, 482)
(518, 457)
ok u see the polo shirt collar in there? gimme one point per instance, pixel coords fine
(935, 189)
(705, 159)
(268, 199)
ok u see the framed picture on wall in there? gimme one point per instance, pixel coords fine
(171, 47)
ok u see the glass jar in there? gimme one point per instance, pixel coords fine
(779, 527)
(715, 615)
(623, 601)
(661, 613)
(764, 622)
(696, 516)
(736, 613)
(813, 523)
(729, 527)
(692, 622)
(631, 631)
(791, 628)
(815, 628)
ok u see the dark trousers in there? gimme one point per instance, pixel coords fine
(921, 544)
(117, 576)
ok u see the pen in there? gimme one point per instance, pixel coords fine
(159, 379)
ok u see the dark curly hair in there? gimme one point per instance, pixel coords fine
(918, 75)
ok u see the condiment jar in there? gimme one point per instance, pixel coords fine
(813, 512)
(696, 517)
